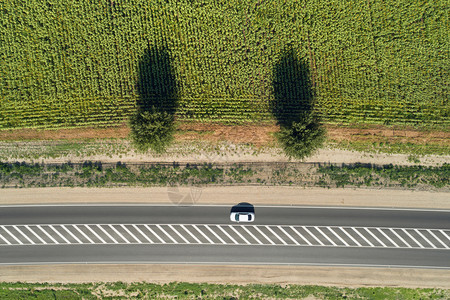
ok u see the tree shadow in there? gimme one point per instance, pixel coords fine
(293, 94)
(156, 84)
(292, 106)
(152, 125)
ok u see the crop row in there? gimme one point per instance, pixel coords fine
(69, 63)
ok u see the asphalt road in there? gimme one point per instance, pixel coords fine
(428, 229)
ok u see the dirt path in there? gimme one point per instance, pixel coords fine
(302, 275)
(257, 195)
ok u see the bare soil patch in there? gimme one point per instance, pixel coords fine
(258, 135)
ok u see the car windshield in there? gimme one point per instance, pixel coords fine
(236, 217)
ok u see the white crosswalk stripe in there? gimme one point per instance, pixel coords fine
(190, 233)
(12, 235)
(46, 233)
(23, 234)
(59, 234)
(35, 234)
(300, 235)
(411, 237)
(237, 234)
(71, 234)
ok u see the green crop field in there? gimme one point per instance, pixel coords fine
(67, 63)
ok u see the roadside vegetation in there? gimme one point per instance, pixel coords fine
(98, 174)
(182, 290)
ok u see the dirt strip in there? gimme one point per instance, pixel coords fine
(239, 274)
(257, 195)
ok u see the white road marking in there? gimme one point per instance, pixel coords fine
(288, 235)
(165, 232)
(119, 234)
(443, 244)
(83, 234)
(422, 236)
(129, 232)
(190, 233)
(265, 236)
(411, 237)
(336, 235)
(12, 235)
(24, 235)
(352, 238)
(314, 237)
(154, 233)
(204, 235)
(240, 235)
(253, 236)
(143, 234)
(46, 233)
(182, 237)
(300, 235)
(6, 241)
(399, 237)
(375, 237)
(106, 233)
(226, 233)
(35, 234)
(276, 235)
(387, 237)
(215, 234)
(94, 233)
(60, 235)
(444, 234)
(363, 237)
(71, 234)
(326, 236)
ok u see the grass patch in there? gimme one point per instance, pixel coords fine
(182, 290)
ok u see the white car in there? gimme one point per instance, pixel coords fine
(242, 217)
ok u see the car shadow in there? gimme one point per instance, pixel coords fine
(243, 207)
